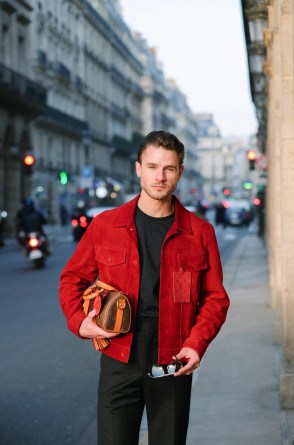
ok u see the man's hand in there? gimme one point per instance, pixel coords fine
(89, 328)
(192, 359)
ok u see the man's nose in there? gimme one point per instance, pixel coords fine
(160, 175)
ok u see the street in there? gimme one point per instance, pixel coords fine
(48, 376)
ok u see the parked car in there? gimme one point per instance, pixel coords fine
(238, 213)
(82, 220)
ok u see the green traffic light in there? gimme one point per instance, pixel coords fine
(248, 185)
(63, 177)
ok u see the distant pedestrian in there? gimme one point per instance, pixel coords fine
(220, 214)
(166, 259)
(63, 214)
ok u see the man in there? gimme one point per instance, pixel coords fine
(166, 259)
(29, 218)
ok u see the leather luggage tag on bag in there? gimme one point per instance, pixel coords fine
(182, 286)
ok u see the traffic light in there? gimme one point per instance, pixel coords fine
(251, 155)
(248, 185)
(63, 177)
(227, 192)
(28, 164)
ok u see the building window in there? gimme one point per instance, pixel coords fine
(5, 44)
(21, 55)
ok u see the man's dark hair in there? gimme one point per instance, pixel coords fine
(162, 139)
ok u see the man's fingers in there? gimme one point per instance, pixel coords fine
(184, 370)
(92, 314)
(179, 356)
(110, 334)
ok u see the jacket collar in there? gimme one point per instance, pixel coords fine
(125, 216)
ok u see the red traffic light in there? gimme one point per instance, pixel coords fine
(227, 192)
(256, 201)
(29, 160)
(251, 155)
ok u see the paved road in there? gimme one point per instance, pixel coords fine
(49, 377)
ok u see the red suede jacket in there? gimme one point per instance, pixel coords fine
(192, 300)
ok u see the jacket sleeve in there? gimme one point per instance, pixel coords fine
(79, 273)
(213, 302)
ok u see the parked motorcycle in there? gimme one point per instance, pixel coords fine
(36, 248)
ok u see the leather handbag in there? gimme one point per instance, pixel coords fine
(113, 310)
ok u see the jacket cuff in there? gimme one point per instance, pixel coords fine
(75, 322)
(197, 344)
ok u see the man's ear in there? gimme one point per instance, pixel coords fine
(181, 171)
(138, 169)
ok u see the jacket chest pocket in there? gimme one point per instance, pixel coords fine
(111, 258)
(190, 267)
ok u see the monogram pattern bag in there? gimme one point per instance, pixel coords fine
(113, 310)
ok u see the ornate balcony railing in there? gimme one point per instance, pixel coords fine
(13, 85)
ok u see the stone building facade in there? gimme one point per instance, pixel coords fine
(184, 126)
(269, 32)
(210, 155)
(22, 100)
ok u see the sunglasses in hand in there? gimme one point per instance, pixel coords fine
(166, 370)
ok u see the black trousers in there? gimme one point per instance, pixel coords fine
(125, 389)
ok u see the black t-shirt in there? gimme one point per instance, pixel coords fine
(151, 234)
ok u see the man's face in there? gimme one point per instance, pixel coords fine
(159, 172)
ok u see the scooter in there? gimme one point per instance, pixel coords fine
(36, 248)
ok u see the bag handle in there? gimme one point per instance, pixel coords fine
(105, 286)
(91, 292)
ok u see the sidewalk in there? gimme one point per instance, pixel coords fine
(235, 398)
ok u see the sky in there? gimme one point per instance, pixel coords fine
(201, 45)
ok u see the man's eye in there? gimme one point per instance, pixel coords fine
(151, 166)
(171, 169)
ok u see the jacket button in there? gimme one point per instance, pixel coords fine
(122, 354)
(135, 262)
(109, 259)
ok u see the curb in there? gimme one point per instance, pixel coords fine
(287, 427)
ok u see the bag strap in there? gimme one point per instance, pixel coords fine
(121, 304)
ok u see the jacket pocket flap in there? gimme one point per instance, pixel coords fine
(192, 261)
(112, 257)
